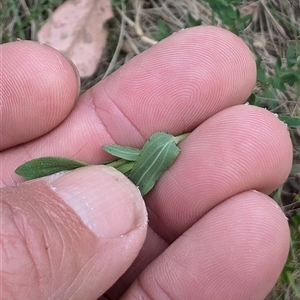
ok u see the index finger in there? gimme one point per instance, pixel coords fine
(177, 84)
(173, 86)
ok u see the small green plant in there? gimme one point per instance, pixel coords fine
(229, 14)
(142, 166)
(117, 3)
(192, 21)
(293, 263)
(22, 20)
(163, 31)
(283, 76)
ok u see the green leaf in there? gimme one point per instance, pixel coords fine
(278, 64)
(268, 94)
(251, 99)
(45, 166)
(126, 168)
(164, 31)
(290, 76)
(295, 169)
(157, 155)
(277, 83)
(261, 74)
(290, 56)
(290, 121)
(192, 21)
(128, 153)
(115, 163)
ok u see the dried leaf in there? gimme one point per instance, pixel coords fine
(76, 30)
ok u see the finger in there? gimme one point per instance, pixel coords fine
(173, 86)
(40, 87)
(75, 234)
(177, 84)
(236, 251)
(241, 148)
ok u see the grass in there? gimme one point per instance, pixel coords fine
(271, 28)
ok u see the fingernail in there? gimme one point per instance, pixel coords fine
(106, 201)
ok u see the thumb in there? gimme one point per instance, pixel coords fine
(71, 235)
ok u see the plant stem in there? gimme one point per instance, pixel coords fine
(122, 165)
(117, 163)
(180, 137)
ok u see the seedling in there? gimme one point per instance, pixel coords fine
(142, 166)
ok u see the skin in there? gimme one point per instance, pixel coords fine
(213, 232)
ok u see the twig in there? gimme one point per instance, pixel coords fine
(137, 28)
(118, 48)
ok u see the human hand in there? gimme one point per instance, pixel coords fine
(213, 231)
